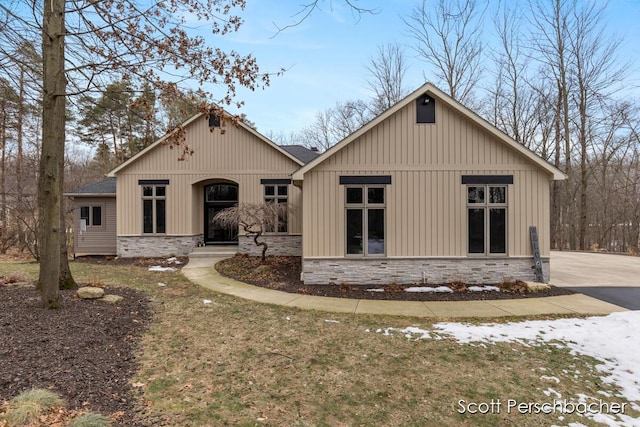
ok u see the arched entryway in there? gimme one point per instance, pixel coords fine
(217, 197)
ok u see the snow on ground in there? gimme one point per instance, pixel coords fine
(429, 289)
(483, 288)
(614, 340)
(160, 268)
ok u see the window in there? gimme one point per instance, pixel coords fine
(92, 215)
(154, 209)
(365, 227)
(278, 195)
(487, 219)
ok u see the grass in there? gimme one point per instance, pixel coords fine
(236, 362)
(28, 406)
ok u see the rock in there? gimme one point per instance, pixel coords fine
(537, 287)
(90, 292)
(112, 298)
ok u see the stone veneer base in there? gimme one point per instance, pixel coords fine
(156, 246)
(279, 245)
(381, 271)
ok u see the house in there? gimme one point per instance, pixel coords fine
(94, 218)
(428, 191)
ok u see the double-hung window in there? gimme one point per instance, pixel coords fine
(278, 195)
(487, 219)
(154, 199)
(365, 220)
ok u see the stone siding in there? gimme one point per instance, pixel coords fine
(419, 270)
(279, 244)
(156, 246)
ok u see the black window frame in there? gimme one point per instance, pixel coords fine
(154, 206)
(277, 191)
(488, 214)
(367, 210)
(93, 220)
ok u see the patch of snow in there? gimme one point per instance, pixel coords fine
(613, 340)
(375, 290)
(160, 268)
(173, 260)
(483, 288)
(206, 301)
(548, 392)
(547, 378)
(331, 321)
(429, 289)
(162, 285)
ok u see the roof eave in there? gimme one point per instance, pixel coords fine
(89, 194)
(557, 174)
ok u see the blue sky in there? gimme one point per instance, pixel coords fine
(327, 54)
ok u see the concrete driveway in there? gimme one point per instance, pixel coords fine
(611, 278)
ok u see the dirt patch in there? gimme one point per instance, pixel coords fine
(175, 262)
(84, 352)
(283, 274)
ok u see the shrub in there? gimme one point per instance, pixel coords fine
(90, 419)
(25, 408)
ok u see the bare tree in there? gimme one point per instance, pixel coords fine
(334, 124)
(87, 44)
(515, 105)
(386, 73)
(254, 219)
(448, 37)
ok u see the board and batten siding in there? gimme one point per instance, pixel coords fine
(426, 210)
(237, 155)
(99, 240)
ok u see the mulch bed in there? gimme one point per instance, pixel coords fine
(84, 352)
(283, 274)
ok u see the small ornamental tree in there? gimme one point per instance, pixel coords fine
(254, 219)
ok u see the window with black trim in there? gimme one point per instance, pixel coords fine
(487, 219)
(154, 209)
(365, 224)
(279, 196)
(92, 215)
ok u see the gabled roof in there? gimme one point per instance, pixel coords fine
(106, 187)
(301, 152)
(429, 88)
(184, 125)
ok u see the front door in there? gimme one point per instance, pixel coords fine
(218, 197)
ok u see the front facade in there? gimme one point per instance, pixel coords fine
(428, 192)
(165, 206)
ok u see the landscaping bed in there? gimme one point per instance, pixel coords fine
(84, 352)
(283, 274)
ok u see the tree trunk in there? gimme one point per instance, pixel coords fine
(52, 151)
(66, 279)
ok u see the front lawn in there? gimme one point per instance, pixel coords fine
(210, 359)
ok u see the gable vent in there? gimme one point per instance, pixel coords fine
(425, 109)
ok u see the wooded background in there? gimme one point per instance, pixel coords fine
(555, 82)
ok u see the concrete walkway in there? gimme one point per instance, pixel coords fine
(201, 272)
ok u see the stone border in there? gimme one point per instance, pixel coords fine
(279, 245)
(365, 271)
(156, 246)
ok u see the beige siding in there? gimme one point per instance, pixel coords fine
(426, 202)
(96, 240)
(237, 156)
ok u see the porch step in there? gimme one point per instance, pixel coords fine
(214, 251)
